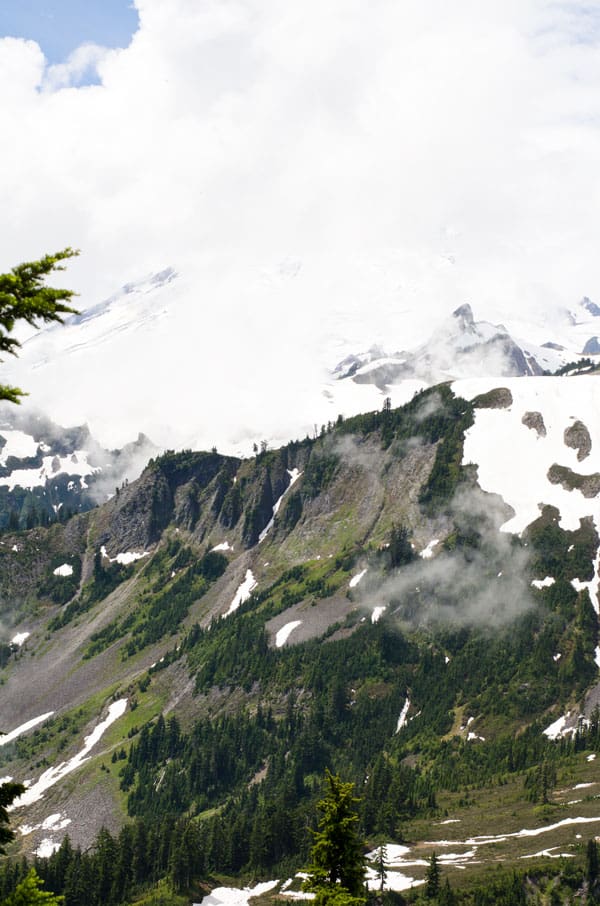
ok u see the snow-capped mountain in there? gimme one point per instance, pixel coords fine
(155, 357)
(48, 472)
(462, 347)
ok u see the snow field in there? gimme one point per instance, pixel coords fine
(74, 464)
(378, 612)
(517, 469)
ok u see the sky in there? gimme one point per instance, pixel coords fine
(322, 175)
(61, 26)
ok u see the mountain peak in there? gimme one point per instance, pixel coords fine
(464, 314)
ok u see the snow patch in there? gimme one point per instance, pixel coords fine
(402, 721)
(19, 638)
(64, 570)
(46, 848)
(427, 552)
(284, 633)
(378, 612)
(23, 728)
(223, 546)
(356, 579)
(543, 583)
(235, 896)
(243, 592)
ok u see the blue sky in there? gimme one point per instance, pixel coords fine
(59, 26)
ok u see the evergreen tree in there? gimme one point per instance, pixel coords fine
(24, 297)
(8, 793)
(28, 893)
(432, 878)
(337, 871)
(380, 862)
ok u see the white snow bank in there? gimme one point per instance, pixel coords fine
(427, 552)
(378, 612)
(597, 655)
(223, 546)
(235, 896)
(46, 848)
(64, 570)
(54, 822)
(19, 638)
(395, 853)
(550, 854)
(284, 633)
(356, 579)
(18, 444)
(395, 880)
(125, 558)
(402, 721)
(130, 557)
(591, 757)
(543, 583)
(53, 775)
(583, 786)
(555, 729)
(23, 728)
(243, 592)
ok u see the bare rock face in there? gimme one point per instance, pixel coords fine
(589, 485)
(535, 421)
(578, 438)
(499, 398)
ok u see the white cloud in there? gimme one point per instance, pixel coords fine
(370, 145)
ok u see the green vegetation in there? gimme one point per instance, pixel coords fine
(336, 873)
(25, 297)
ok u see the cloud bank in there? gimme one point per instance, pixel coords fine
(324, 175)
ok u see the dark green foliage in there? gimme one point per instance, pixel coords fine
(29, 893)
(292, 511)
(319, 472)
(432, 878)
(25, 297)
(400, 551)
(160, 612)
(8, 793)
(105, 579)
(61, 589)
(337, 851)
